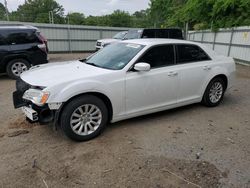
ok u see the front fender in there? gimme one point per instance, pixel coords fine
(64, 92)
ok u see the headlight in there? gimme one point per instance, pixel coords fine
(105, 44)
(36, 96)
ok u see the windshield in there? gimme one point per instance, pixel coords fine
(134, 34)
(115, 56)
(120, 35)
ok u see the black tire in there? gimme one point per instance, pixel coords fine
(206, 98)
(10, 64)
(72, 106)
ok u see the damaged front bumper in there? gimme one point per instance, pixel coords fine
(43, 114)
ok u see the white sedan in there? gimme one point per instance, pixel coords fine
(123, 80)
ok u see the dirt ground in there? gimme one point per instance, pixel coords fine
(192, 146)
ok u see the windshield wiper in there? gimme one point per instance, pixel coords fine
(93, 64)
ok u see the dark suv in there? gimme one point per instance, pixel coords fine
(20, 48)
(173, 33)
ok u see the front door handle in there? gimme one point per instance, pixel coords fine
(171, 74)
(206, 68)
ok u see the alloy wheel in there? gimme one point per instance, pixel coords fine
(18, 68)
(216, 92)
(86, 119)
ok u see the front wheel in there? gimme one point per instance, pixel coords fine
(84, 118)
(214, 92)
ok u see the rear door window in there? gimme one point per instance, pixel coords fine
(190, 53)
(22, 37)
(159, 56)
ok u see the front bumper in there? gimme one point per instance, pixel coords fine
(34, 113)
(42, 114)
(98, 48)
(18, 99)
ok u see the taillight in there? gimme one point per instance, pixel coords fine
(43, 40)
(43, 47)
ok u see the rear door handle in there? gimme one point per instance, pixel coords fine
(207, 68)
(172, 74)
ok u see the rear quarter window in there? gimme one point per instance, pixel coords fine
(190, 53)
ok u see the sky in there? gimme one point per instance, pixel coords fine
(92, 7)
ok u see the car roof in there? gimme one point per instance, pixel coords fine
(156, 29)
(156, 41)
(16, 27)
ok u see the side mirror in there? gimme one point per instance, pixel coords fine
(142, 67)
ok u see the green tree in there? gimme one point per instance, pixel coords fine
(159, 11)
(163, 13)
(230, 13)
(216, 13)
(76, 18)
(120, 19)
(141, 19)
(38, 11)
(91, 20)
(2, 12)
(198, 13)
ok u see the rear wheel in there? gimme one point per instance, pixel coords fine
(16, 67)
(84, 118)
(214, 92)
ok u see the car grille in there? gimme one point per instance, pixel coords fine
(98, 44)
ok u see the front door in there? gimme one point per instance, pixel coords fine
(156, 88)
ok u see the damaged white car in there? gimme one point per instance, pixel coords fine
(124, 80)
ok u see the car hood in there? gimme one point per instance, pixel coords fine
(61, 72)
(105, 41)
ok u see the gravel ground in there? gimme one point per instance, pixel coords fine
(192, 146)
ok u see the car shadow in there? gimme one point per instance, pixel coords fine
(4, 77)
(154, 116)
(229, 100)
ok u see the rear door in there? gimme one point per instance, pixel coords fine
(24, 43)
(4, 50)
(194, 66)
